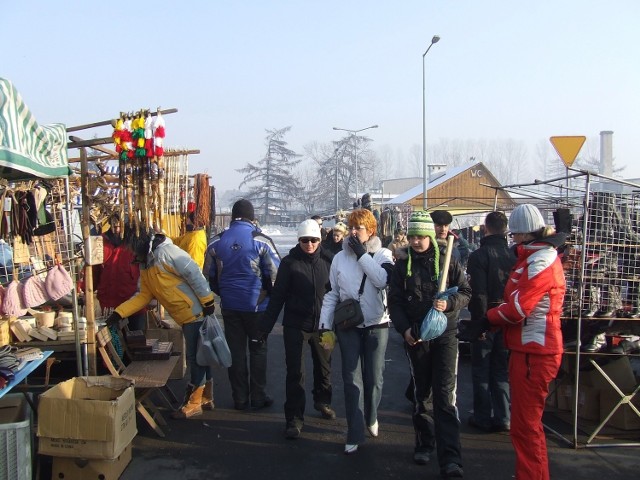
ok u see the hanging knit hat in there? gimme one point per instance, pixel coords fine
(34, 292)
(525, 218)
(242, 209)
(421, 224)
(12, 303)
(58, 283)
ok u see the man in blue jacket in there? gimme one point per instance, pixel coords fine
(242, 264)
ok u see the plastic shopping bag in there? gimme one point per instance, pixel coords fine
(434, 322)
(213, 349)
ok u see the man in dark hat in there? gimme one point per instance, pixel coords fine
(442, 221)
(250, 262)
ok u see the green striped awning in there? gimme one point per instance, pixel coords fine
(26, 148)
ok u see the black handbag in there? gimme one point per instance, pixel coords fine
(348, 313)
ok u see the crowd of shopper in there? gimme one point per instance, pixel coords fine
(514, 295)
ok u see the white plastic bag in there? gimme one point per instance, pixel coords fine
(213, 349)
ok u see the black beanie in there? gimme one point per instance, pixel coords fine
(242, 209)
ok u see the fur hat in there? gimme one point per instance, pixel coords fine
(309, 228)
(34, 292)
(525, 218)
(441, 217)
(58, 283)
(242, 209)
(12, 303)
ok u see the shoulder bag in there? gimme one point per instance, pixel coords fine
(348, 313)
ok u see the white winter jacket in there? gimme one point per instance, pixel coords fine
(345, 277)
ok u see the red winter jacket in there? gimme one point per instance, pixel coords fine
(533, 296)
(116, 280)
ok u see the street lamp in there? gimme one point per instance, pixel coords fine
(425, 174)
(354, 134)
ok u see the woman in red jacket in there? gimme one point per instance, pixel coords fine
(530, 319)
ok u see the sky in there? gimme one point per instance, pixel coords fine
(503, 69)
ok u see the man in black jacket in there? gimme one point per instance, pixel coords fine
(302, 281)
(489, 268)
(433, 364)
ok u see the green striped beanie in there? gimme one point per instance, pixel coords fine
(420, 223)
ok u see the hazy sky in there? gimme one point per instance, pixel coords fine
(503, 69)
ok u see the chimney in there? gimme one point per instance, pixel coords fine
(606, 153)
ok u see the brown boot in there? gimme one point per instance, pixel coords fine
(191, 406)
(207, 396)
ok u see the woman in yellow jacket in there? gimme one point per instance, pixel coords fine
(169, 275)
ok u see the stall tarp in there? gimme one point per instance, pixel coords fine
(26, 148)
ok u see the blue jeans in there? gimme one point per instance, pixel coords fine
(363, 351)
(198, 373)
(490, 376)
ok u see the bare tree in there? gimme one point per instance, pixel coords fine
(274, 185)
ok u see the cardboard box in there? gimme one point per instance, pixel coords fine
(87, 417)
(618, 370)
(623, 418)
(588, 403)
(84, 469)
(175, 336)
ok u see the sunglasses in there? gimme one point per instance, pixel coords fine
(307, 240)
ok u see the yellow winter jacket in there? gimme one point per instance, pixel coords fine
(195, 244)
(172, 277)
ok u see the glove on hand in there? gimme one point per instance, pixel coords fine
(357, 247)
(471, 331)
(208, 309)
(113, 319)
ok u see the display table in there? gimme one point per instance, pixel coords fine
(25, 372)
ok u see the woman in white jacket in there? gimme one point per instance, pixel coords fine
(363, 347)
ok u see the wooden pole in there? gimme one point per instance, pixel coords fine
(88, 269)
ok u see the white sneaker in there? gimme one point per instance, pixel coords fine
(350, 449)
(373, 429)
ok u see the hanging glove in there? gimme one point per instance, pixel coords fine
(471, 331)
(327, 339)
(209, 308)
(357, 247)
(113, 319)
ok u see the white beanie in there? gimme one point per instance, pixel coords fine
(309, 228)
(525, 218)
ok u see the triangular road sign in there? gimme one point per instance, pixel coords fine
(567, 148)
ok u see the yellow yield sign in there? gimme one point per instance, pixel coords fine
(567, 148)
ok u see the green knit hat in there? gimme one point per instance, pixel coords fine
(420, 223)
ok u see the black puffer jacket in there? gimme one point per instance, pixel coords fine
(410, 298)
(301, 283)
(489, 268)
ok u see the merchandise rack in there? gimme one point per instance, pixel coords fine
(601, 260)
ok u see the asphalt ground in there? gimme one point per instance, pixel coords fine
(227, 444)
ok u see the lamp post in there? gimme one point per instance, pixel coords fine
(425, 173)
(354, 134)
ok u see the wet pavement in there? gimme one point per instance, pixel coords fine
(227, 444)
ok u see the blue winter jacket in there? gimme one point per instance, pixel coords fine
(241, 265)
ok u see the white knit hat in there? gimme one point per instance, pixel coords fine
(525, 218)
(309, 228)
(12, 303)
(34, 292)
(58, 283)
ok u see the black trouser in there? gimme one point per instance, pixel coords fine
(294, 340)
(434, 367)
(247, 382)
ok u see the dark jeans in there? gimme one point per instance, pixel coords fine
(490, 376)
(294, 340)
(248, 382)
(197, 373)
(434, 366)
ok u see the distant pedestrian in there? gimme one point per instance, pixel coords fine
(488, 269)
(399, 241)
(301, 283)
(333, 243)
(320, 221)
